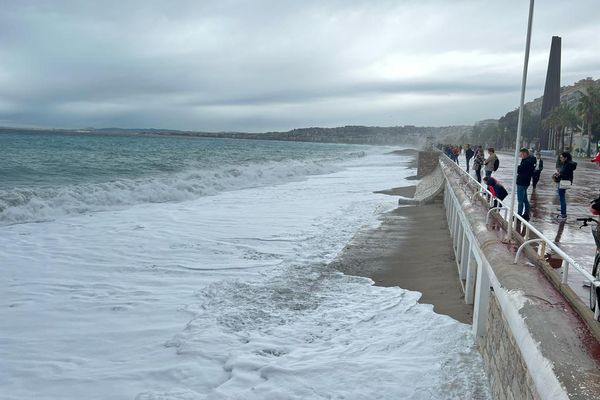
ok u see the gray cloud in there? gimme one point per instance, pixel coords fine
(270, 65)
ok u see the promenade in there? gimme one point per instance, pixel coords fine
(533, 342)
(537, 327)
(575, 241)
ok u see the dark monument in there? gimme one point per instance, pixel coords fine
(552, 89)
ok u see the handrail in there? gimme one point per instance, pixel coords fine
(570, 261)
(479, 281)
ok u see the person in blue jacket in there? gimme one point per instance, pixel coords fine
(525, 172)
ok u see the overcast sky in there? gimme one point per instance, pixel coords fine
(276, 65)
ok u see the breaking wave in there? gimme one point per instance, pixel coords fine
(22, 205)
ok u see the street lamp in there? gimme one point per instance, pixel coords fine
(520, 124)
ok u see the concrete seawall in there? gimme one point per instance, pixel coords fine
(534, 344)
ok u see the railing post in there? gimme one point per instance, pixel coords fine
(565, 271)
(456, 233)
(453, 221)
(470, 278)
(482, 298)
(464, 255)
(446, 198)
(459, 242)
(542, 249)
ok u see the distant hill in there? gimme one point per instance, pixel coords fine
(355, 134)
(352, 134)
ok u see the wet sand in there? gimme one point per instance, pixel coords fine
(406, 152)
(406, 191)
(411, 249)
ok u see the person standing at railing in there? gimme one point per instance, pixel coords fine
(491, 163)
(564, 179)
(539, 166)
(478, 163)
(495, 188)
(525, 172)
(469, 153)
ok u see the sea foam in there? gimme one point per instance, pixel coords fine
(229, 296)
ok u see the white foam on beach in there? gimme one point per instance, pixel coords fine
(223, 297)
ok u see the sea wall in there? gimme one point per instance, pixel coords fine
(505, 366)
(497, 326)
(533, 344)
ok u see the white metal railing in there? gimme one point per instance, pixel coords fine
(473, 268)
(478, 278)
(543, 241)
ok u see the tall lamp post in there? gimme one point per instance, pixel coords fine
(520, 124)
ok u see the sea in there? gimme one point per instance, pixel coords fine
(147, 268)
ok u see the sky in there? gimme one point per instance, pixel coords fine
(276, 65)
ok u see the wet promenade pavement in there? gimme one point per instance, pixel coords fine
(575, 241)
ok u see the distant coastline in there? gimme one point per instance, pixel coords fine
(353, 134)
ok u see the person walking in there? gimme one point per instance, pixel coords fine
(564, 178)
(525, 172)
(491, 163)
(478, 163)
(456, 153)
(539, 166)
(469, 153)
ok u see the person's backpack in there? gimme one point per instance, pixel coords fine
(496, 164)
(501, 192)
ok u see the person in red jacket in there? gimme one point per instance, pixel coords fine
(496, 188)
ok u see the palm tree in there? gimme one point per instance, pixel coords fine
(589, 110)
(559, 119)
(551, 122)
(569, 119)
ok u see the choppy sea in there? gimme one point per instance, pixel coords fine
(184, 268)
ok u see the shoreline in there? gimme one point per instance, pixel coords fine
(411, 249)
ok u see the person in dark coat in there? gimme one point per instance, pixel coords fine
(478, 164)
(469, 153)
(564, 174)
(525, 172)
(539, 166)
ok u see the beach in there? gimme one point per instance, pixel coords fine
(411, 249)
(208, 271)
